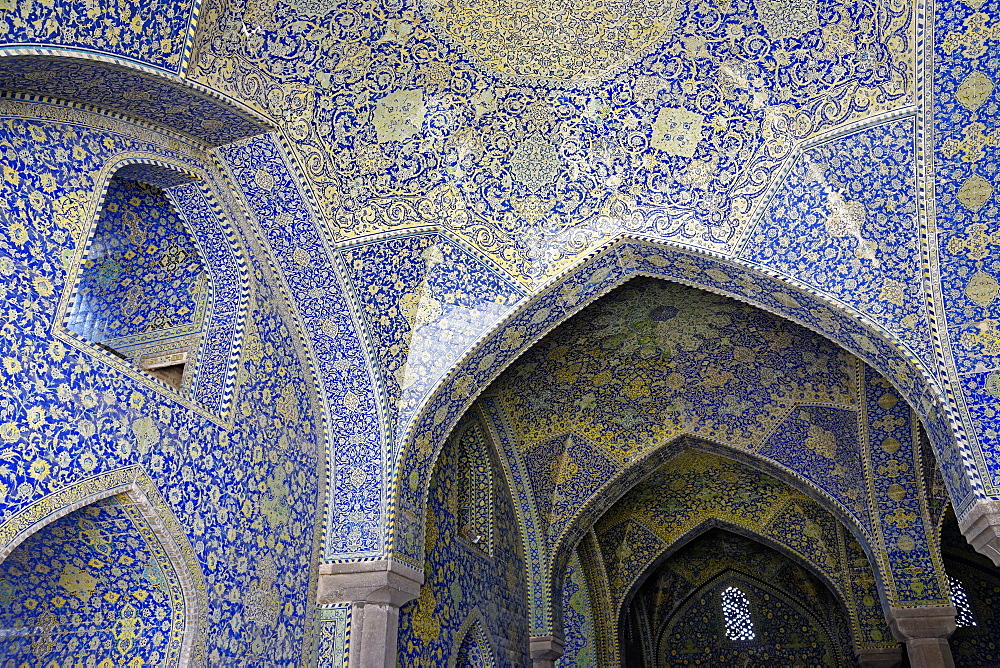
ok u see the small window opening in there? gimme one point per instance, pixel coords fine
(143, 290)
(736, 614)
(963, 611)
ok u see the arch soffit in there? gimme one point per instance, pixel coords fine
(619, 486)
(617, 262)
(629, 257)
(217, 118)
(220, 251)
(141, 490)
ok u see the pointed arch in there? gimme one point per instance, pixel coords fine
(133, 482)
(734, 578)
(614, 264)
(472, 634)
(550, 580)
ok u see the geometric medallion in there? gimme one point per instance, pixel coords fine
(982, 289)
(975, 192)
(974, 90)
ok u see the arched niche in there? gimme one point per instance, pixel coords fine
(152, 217)
(703, 610)
(472, 649)
(609, 268)
(104, 557)
(668, 510)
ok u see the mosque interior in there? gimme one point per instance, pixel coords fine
(499, 333)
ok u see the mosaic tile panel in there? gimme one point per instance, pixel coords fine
(95, 583)
(217, 361)
(471, 651)
(154, 34)
(424, 300)
(143, 280)
(334, 628)
(655, 360)
(845, 223)
(238, 501)
(897, 498)
(578, 619)
(193, 110)
(414, 116)
(831, 457)
(966, 176)
(357, 459)
(461, 580)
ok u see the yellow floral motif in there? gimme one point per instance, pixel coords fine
(535, 41)
(77, 582)
(821, 441)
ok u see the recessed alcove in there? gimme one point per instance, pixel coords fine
(143, 291)
(95, 583)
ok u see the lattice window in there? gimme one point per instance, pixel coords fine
(475, 508)
(963, 611)
(736, 614)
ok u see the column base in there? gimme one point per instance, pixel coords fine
(545, 650)
(981, 527)
(880, 657)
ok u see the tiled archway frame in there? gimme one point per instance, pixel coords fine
(736, 577)
(627, 258)
(475, 624)
(546, 566)
(618, 487)
(214, 376)
(140, 489)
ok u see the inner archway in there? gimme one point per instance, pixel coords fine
(725, 598)
(740, 417)
(96, 582)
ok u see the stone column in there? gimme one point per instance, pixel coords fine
(880, 657)
(925, 632)
(375, 591)
(981, 527)
(545, 650)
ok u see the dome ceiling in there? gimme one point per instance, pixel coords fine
(535, 132)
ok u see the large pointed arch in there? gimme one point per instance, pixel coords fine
(133, 482)
(613, 265)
